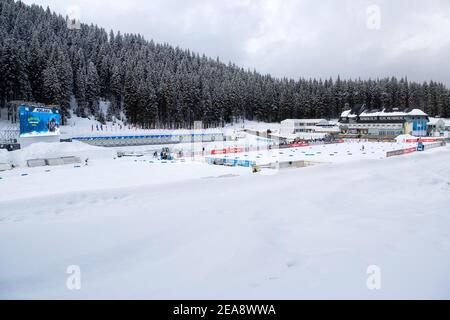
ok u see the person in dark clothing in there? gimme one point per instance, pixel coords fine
(52, 125)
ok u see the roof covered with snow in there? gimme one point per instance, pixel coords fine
(289, 121)
(384, 113)
(417, 112)
(346, 113)
(437, 121)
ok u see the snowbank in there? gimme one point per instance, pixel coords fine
(44, 150)
(255, 125)
(4, 156)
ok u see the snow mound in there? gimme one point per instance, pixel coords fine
(254, 125)
(57, 149)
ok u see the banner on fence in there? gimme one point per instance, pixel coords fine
(421, 140)
(434, 145)
(400, 152)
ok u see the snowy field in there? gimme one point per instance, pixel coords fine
(332, 153)
(140, 228)
(83, 150)
(85, 127)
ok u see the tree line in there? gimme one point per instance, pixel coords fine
(160, 86)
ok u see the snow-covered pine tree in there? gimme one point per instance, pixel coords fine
(42, 60)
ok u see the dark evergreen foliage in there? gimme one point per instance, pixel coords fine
(157, 85)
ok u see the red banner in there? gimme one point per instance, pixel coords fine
(410, 150)
(401, 152)
(259, 148)
(422, 140)
(299, 145)
(227, 150)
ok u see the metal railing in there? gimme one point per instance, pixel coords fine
(9, 134)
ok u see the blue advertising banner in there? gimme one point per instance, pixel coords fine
(39, 121)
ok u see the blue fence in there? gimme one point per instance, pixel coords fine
(160, 136)
(230, 162)
(155, 139)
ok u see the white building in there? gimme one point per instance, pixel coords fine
(385, 123)
(297, 127)
(436, 126)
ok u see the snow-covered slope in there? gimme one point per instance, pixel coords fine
(77, 126)
(141, 230)
(255, 125)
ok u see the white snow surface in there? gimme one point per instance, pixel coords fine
(255, 125)
(87, 127)
(43, 150)
(332, 153)
(193, 231)
(4, 156)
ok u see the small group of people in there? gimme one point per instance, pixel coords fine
(165, 154)
(97, 127)
(309, 141)
(103, 127)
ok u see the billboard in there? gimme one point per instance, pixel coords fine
(39, 121)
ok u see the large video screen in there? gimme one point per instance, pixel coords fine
(39, 121)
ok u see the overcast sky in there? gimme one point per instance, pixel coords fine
(292, 38)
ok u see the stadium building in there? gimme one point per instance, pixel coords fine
(436, 127)
(384, 123)
(295, 126)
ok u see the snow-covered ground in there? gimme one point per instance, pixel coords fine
(333, 153)
(43, 150)
(255, 125)
(188, 230)
(85, 127)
